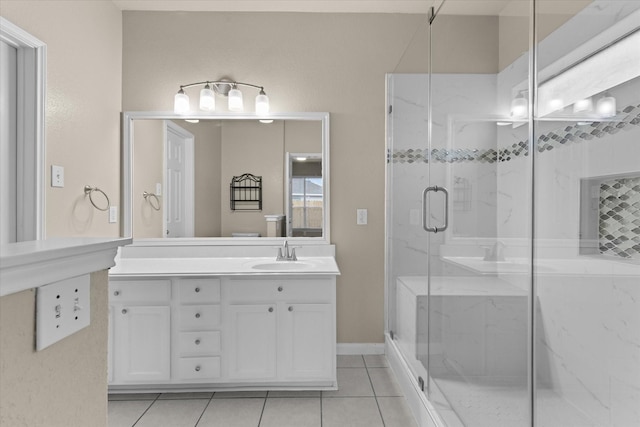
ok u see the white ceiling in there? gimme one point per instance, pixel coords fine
(466, 7)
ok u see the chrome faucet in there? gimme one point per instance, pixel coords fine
(495, 253)
(284, 254)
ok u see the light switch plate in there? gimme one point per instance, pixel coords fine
(62, 309)
(57, 176)
(113, 214)
(361, 217)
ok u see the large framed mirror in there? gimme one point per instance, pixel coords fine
(179, 173)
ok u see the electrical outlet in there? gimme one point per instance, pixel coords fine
(57, 176)
(158, 189)
(62, 309)
(113, 214)
(361, 217)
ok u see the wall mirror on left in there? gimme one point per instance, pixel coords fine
(177, 172)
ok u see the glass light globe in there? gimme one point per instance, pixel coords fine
(207, 99)
(519, 107)
(606, 106)
(235, 100)
(181, 103)
(262, 104)
(583, 106)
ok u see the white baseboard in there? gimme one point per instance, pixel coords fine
(359, 348)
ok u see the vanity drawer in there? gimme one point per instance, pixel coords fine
(289, 290)
(199, 291)
(199, 317)
(198, 368)
(147, 291)
(199, 343)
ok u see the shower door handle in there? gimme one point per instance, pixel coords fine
(426, 226)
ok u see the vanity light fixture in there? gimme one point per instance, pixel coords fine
(606, 106)
(519, 107)
(227, 88)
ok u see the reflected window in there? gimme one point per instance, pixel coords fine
(306, 206)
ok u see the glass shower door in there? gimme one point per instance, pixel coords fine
(587, 216)
(478, 214)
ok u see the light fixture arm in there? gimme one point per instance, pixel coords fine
(221, 82)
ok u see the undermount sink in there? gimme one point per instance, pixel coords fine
(282, 265)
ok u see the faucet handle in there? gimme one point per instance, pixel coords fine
(279, 257)
(293, 256)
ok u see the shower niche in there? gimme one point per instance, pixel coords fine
(610, 216)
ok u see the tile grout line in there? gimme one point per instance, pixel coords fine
(264, 405)
(375, 395)
(204, 410)
(146, 410)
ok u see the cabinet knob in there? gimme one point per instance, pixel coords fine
(270, 309)
(197, 289)
(280, 288)
(197, 342)
(124, 311)
(197, 368)
(290, 308)
(197, 315)
(116, 293)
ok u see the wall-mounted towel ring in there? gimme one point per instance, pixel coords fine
(149, 197)
(88, 190)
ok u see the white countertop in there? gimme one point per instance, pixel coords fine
(224, 266)
(26, 265)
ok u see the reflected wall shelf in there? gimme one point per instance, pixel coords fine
(245, 192)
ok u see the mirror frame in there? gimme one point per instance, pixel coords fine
(128, 118)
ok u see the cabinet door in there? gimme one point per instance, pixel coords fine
(252, 341)
(307, 340)
(142, 344)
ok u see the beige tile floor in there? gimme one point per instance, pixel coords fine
(368, 396)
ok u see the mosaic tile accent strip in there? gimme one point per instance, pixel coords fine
(573, 134)
(586, 132)
(445, 156)
(619, 228)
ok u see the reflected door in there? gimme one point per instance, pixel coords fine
(179, 199)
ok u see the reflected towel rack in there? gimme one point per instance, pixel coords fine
(149, 197)
(246, 192)
(88, 191)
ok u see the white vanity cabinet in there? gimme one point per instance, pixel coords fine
(141, 341)
(280, 329)
(236, 332)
